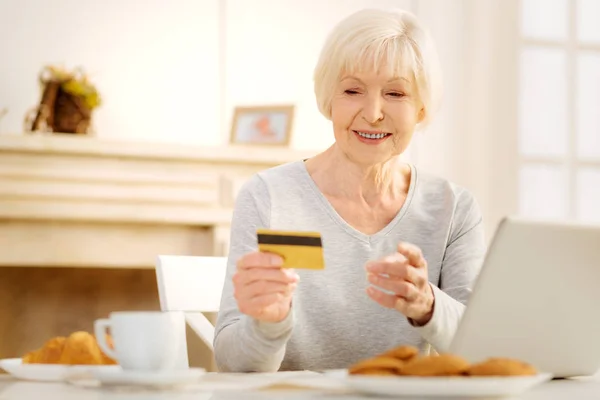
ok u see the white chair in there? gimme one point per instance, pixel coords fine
(192, 285)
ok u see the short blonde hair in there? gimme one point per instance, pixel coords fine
(371, 38)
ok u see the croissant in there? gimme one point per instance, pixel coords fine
(50, 353)
(80, 348)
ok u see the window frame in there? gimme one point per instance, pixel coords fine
(570, 161)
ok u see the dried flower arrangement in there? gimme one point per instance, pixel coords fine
(68, 99)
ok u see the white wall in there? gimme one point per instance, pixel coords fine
(155, 63)
(173, 71)
(440, 146)
(472, 139)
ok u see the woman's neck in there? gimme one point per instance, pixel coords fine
(338, 176)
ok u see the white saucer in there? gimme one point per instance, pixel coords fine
(149, 378)
(50, 372)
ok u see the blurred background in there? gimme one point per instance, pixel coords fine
(158, 171)
(520, 125)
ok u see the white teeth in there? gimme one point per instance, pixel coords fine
(371, 135)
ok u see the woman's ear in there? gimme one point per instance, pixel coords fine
(421, 115)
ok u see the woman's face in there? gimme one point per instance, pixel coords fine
(374, 116)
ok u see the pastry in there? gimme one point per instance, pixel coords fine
(403, 353)
(501, 367)
(377, 372)
(80, 348)
(436, 365)
(406, 361)
(50, 353)
(390, 364)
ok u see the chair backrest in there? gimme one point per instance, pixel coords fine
(192, 285)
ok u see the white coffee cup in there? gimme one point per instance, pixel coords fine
(145, 340)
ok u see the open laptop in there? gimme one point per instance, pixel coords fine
(537, 299)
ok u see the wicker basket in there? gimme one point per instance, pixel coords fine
(60, 110)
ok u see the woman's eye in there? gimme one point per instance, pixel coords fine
(351, 91)
(396, 94)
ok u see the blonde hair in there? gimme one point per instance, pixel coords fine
(371, 39)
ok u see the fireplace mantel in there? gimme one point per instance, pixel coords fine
(81, 201)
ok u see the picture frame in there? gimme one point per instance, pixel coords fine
(262, 125)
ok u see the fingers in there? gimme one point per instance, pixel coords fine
(394, 265)
(248, 275)
(397, 268)
(260, 282)
(401, 288)
(257, 307)
(409, 308)
(404, 274)
(413, 254)
(251, 282)
(259, 288)
(266, 300)
(384, 299)
(259, 259)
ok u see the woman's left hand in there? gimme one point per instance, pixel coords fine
(404, 273)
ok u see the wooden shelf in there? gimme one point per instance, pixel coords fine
(92, 147)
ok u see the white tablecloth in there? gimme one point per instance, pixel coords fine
(258, 386)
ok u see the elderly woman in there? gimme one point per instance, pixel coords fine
(401, 247)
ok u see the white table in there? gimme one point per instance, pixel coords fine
(572, 389)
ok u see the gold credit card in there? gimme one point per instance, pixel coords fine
(298, 249)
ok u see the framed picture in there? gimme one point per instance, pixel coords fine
(263, 125)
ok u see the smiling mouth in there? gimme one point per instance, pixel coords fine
(373, 136)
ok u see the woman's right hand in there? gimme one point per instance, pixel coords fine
(262, 288)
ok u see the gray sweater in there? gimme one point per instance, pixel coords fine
(333, 323)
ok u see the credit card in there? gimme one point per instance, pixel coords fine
(302, 250)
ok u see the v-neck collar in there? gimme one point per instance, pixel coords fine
(312, 187)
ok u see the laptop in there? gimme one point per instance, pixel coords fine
(537, 299)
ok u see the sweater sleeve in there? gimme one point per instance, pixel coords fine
(241, 343)
(462, 261)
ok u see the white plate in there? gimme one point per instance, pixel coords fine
(49, 372)
(148, 378)
(439, 386)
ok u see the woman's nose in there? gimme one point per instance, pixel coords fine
(373, 109)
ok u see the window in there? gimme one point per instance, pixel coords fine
(559, 109)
